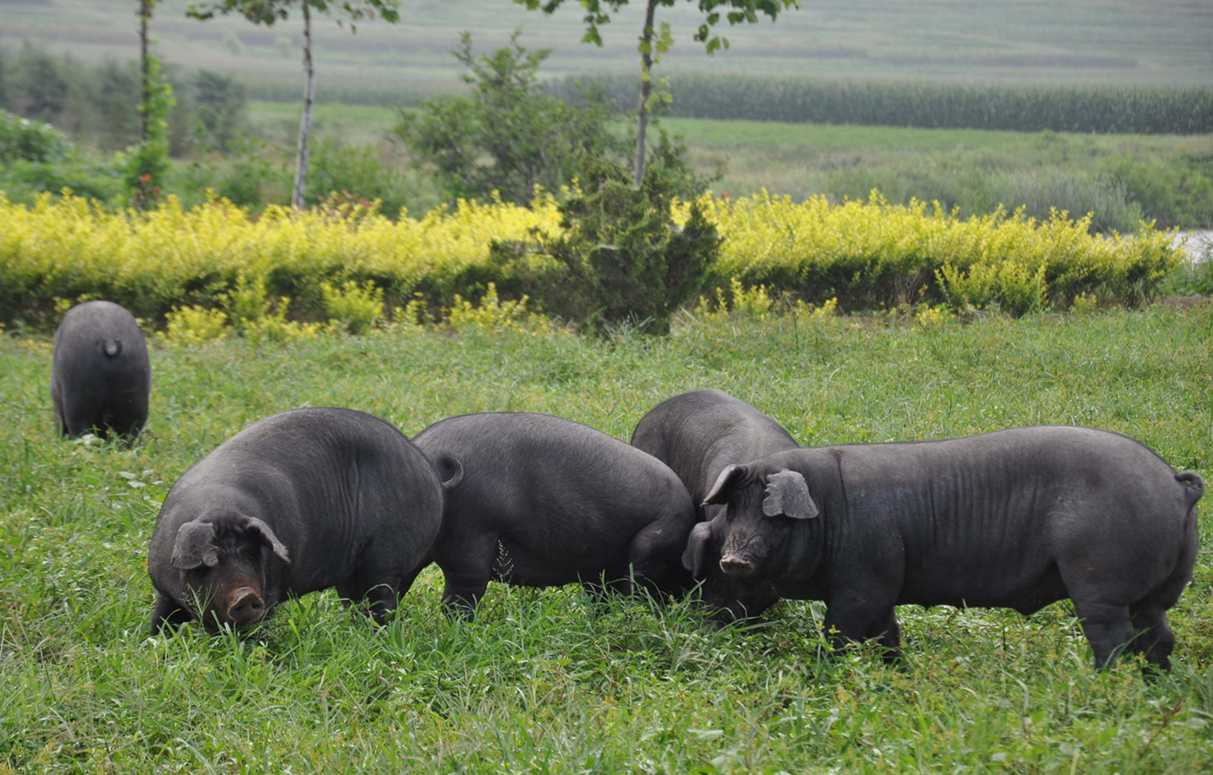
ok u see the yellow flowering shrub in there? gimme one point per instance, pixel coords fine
(863, 254)
(753, 302)
(355, 307)
(931, 315)
(194, 325)
(805, 311)
(875, 253)
(493, 314)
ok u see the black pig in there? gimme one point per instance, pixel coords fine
(697, 434)
(535, 500)
(297, 502)
(1013, 519)
(100, 373)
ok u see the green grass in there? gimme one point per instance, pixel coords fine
(278, 122)
(959, 166)
(546, 679)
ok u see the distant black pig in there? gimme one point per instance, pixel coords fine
(697, 434)
(535, 500)
(297, 502)
(100, 373)
(1015, 519)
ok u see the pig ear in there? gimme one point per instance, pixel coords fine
(729, 478)
(255, 525)
(694, 556)
(787, 495)
(194, 546)
(449, 470)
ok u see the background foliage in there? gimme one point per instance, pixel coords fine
(508, 137)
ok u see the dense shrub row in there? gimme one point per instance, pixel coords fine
(865, 254)
(872, 254)
(1029, 108)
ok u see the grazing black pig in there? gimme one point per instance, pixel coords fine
(300, 501)
(1014, 519)
(100, 374)
(697, 434)
(535, 500)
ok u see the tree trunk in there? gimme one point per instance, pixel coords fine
(646, 88)
(145, 65)
(305, 123)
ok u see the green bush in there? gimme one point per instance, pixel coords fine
(507, 138)
(623, 260)
(251, 179)
(25, 140)
(220, 110)
(359, 172)
(147, 163)
(97, 104)
(954, 183)
(1040, 191)
(975, 188)
(1175, 192)
(25, 181)
(1192, 278)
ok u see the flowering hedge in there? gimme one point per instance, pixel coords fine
(869, 254)
(866, 254)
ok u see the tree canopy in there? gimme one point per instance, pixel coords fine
(597, 13)
(268, 12)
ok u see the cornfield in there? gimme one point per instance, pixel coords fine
(1102, 109)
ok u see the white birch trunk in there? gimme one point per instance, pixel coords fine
(305, 123)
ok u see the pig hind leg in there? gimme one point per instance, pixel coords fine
(1154, 637)
(466, 572)
(60, 418)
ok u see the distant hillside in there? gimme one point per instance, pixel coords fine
(1159, 42)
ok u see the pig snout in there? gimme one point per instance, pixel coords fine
(736, 565)
(245, 606)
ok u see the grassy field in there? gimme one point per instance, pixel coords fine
(975, 168)
(1165, 42)
(548, 680)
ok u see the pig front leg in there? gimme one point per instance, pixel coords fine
(165, 611)
(889, 634)
(853, 617)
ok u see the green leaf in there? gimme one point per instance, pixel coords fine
(665, 40)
